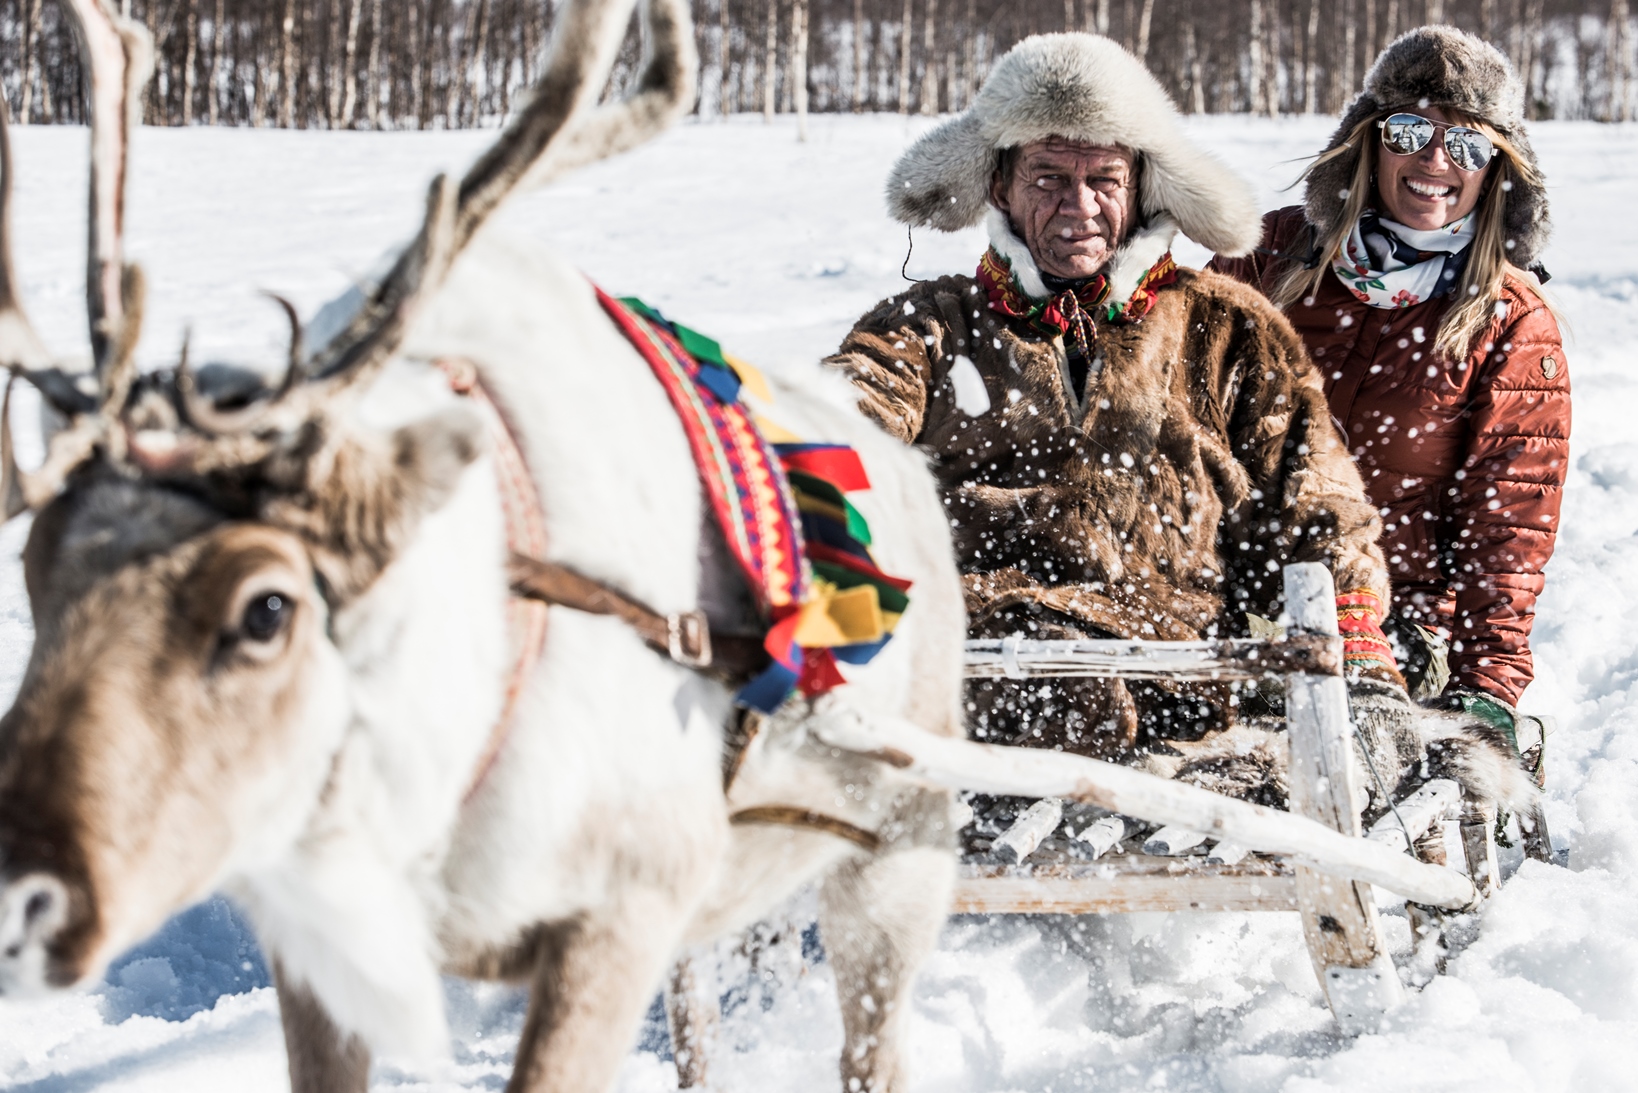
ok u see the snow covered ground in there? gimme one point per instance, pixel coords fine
(775, 247)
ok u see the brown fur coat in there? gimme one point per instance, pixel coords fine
(1203, 459)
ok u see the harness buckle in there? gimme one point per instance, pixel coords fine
(688, 639)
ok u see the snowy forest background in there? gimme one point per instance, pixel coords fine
(422, 64)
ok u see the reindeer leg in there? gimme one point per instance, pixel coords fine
(322, 1058)
(880, 918)
(594, 977)
(691, 1008)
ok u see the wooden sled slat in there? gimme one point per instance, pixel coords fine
(1124, 883)
(1226, 659)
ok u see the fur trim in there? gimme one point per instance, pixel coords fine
(1083, 88)
(1477, 757)
(1009, 246)
(1248, 761)
(1439, 66)
(1137, 256)
(1125, 269)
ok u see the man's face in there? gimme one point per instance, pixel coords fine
(1071, 202)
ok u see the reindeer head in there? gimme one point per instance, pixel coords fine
(185, 699)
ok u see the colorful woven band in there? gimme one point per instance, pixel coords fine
(1364, 645)
(1071, 313)
(783, 510)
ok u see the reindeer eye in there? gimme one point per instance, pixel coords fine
(265, 616)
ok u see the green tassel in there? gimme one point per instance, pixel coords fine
(892, 600)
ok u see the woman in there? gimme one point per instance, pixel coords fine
(1404, 271)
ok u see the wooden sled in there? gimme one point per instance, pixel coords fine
(1130, 851)
(1043, 864)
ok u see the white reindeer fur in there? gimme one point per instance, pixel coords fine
(607, 796)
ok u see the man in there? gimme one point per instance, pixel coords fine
(1126, 448)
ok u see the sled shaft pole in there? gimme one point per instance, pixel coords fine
(1111, 658)
(1025, 772)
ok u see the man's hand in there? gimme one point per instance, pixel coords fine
(1388, 740)
(1483, 707)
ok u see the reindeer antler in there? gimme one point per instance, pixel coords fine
(119, 58)
(20, 347)
(581, 54)
(665, 91)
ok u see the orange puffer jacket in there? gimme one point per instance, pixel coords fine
(1466, 461)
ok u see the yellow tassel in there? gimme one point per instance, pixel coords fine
(835, 617)
(774, 434)
(752, 377)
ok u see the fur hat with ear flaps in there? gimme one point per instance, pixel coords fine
(1084, 88)
(1444, 67)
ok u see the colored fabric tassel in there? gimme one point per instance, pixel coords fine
(825, 600)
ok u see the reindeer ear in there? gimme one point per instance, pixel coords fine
(432, 453)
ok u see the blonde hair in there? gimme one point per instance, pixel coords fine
(1479, 290)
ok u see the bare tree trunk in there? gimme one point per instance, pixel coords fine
(858, 56)
(218, 70)
(154, 103)
(259, 72)
(417, 88)
(724, 41)
(929, 72)
(1255, 62)
(969, 83)
(1532, 53)
(1345, 93)
(1390, 22)
(1143, 30)
(770, 61)
(372, 80)
(328, 78)
(1191, 64)
(1069, 14)
(349, 65)
(1311, 74)
(1271, 59)
(31, 35)
(1103, 18)
(190, 62)
(904, 60)
(479, 76)
(454, 67)
(1620, 62)
(798, 75)
(1487, 19)
(287, 66)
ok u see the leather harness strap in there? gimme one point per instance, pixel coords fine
(525, 534)
(684, 636)
(791, 816)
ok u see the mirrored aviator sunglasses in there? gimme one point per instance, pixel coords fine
(1407, 134)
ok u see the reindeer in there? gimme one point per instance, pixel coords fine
(277, 650)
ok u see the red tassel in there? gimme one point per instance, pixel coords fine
(819, 672)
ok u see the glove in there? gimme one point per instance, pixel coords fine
(1388, 743)
(1483, 707)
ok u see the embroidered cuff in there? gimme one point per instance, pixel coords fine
(1366, 650)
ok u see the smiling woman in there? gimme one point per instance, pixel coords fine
(1411, 273)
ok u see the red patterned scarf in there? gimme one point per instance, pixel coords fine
(1073, 312)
